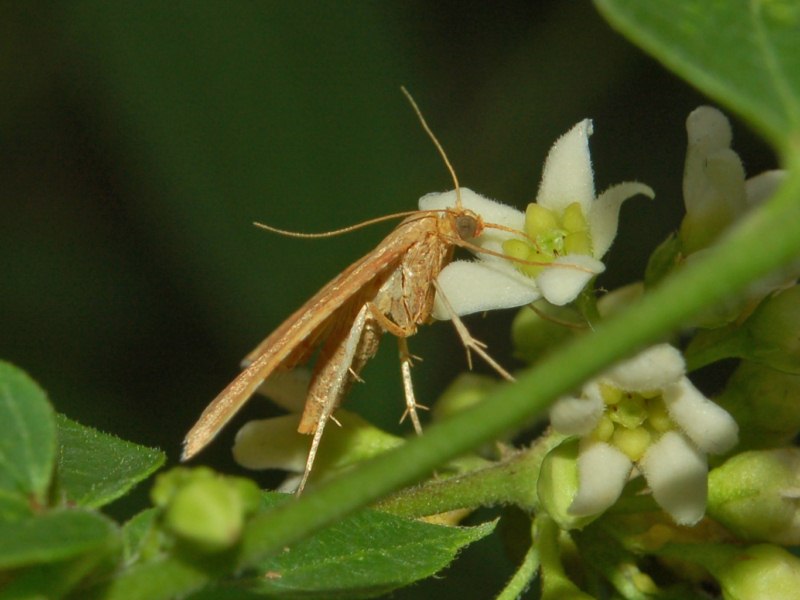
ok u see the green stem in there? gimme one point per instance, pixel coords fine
(766, 240)
(510, 481)
(523, 576)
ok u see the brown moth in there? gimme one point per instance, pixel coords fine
(391, 289)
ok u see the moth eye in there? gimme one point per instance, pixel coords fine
(466, 226)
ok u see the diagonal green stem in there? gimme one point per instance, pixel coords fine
(767, 239)
(524, 575)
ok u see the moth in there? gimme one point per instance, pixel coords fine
(390, 290)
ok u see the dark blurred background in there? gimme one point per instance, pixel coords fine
(139, 140)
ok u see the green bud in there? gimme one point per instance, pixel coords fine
(466, 390)
(766, 401)
(755, 495)
(769, 336)
(535, 333)
(205, 508)
(760, 572)
(558, 485)
(774, 332)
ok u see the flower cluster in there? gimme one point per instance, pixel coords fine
(560, 241)
(645, 413)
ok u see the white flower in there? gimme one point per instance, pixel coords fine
(715, 192)
(566, 231)
(645, 413)
(716, 195)
(275, 443)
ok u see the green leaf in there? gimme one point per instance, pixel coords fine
(365, 555)
(13, 506)
(55, 580)
(95, 468)
(136, 534)
(368, 554)
(53, 536)
(27, 435)
(743, 53)
(164, 578)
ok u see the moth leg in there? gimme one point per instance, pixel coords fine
(330, 384)
(408, 386)
(406, 360)
(469, 342)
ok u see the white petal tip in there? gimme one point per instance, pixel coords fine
(561, 283)
(678, 475)
(602, 474)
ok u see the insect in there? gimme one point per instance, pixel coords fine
(391, 289)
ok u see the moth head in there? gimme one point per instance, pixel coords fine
(468, 224)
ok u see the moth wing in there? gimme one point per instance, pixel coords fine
(294, 340)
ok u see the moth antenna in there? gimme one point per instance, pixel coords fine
(335, 232)
(435, 143)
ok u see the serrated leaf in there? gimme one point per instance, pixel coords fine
(95, 468)
(27, 435)
(743, 53)
(362, 556)
(53, 536)
(368, 554)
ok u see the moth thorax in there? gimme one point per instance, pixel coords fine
(467, 226)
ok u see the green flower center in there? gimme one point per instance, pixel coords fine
(632, 421)
(549, 236)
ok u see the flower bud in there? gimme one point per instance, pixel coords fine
(757, 495)
(535, 332)
(713, 180)
(760, 572)
(204, 507)
(466, 390)
(558, 486)
(772, 332)
(275, 444)
(765, 400)
(769, 336)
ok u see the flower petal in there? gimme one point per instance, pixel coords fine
(653, 369)
(478, 286)
(707, 424)
(560, 285)
(567, 176)
(603, 216)
(271, 444)
(490, 211)
(577, 416)
(602, 474)
(762, 186)
(678, 475)
(287, 389)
